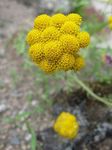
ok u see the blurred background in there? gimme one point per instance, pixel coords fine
(29, 99)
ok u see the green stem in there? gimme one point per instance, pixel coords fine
(90, 92)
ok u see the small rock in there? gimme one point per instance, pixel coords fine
(28, 137)
(3, 108)
(34, 103)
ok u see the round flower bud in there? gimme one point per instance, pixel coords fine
(41, 22)
(36, 52)
(33, 37)
(69, 43)
(84, 39)
(58, 20)
(75, 17)
(66, 62)
(70, 27)
(47, 67)
(53, 50)
(79, 63)
(66, 125)
(50, 33)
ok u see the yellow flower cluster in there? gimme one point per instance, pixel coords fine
(110, 22)
(66, 125)
(55, 42)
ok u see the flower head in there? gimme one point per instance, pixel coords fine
(84, 39)
(36, 52)
(58, 20)
(42, 22)
(52, 50)
(47, 67)
(34, 36)
(66, 62)
(49, 34)
(79, 63)
(69, 43)
(56, 41)
(75, 17)
(66, 125)
(70, 27)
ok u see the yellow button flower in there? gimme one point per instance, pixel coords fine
(47, 67)
(41, 22)
(79, 63)
(66, 125)
(70, 27)
(58, 20)
(75, 17)
(36, 52)
(53, 50)
(66, 62)
(33, 36)
(84, 39)
(50, 33)
(69, 43)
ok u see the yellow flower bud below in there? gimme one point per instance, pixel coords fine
(41, 22)
(75, 17)
(36, 52)
(66, 125)
(58, 20)
(53, 50)
(66, 62)
(84, 39)
(79, 63)
(33, 37)
(47, 67)
(70, 27)
(69, 44)
(50, 33)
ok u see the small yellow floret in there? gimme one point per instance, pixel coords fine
(41, 22)
(66, 125)
(75, 17)
(47, 67)
(79, 63)
(66, 62)
(70, 27)
(69, 43)
(50, 33)
(53, 50)
(33, 37)
(84, 39)
(36, 52)
(110, 20)
(58, 20)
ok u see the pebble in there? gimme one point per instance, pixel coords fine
(28, 137)
(3, 108)
(34, 103)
